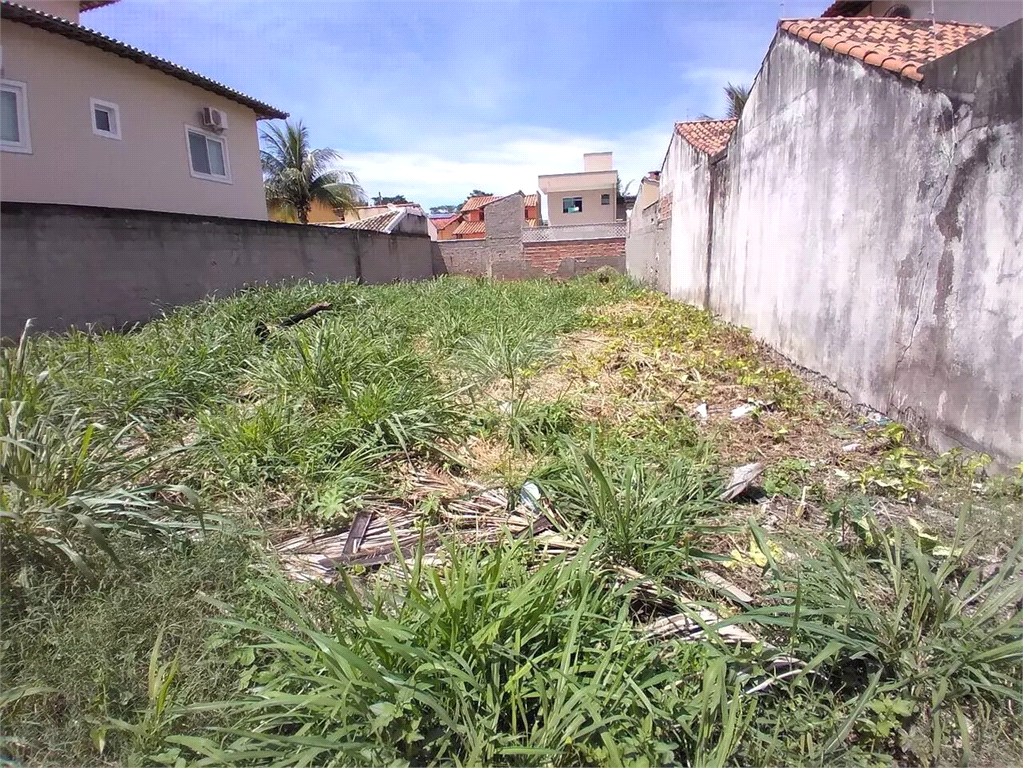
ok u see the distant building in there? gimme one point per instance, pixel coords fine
(470, 221)
(587, 197)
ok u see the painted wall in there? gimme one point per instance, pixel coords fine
(72, 265)
(148, 168)
(592, 213)
(893, 267)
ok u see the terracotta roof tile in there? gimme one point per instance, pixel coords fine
(471, 228)
(708, 136)
(72, 31)
(440, 222)
(898, 45)
(533, 199)
(476, 202)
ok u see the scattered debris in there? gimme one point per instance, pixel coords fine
(743, 410)
(742, 478)
(701, 411)
(263, 332)
(727, 587)
(851, 447)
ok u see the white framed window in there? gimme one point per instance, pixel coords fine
(605, 199)
(571, 205)
(207, 155)
(14, 135)
(106, 119)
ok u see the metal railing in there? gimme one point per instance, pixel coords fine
(548, 234)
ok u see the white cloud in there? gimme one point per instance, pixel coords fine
(500, 161)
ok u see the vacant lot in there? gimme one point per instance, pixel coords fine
(463, 523)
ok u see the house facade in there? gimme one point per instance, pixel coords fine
(589, 197)
(88, 120)
(991, 13)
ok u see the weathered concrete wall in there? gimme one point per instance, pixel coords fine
(686, 178)
(648, 248)
(72, 265)
(869, 228)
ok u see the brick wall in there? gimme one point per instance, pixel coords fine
(548, 258)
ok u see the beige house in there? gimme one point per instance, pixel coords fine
(590, 197)
(88, 120)
(991, 13)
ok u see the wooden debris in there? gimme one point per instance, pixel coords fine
(263, 331)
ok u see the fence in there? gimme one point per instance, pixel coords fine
(552, 234)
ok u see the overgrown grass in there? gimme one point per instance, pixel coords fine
(145, 623)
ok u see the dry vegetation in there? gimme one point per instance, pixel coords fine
(464, 522)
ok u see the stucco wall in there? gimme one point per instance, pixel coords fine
(592, 213)
(148, 168)
(73, 265)
(686, 178)
(870, 229)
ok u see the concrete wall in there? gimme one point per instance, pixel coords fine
(148, 167)
(648, 248)
(870, 229)
(73, 265)
(685, 177)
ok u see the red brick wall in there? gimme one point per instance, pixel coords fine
(547, 257)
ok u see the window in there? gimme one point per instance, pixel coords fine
(207, 156)
(106, 119)
(571, 205)
(14, 117)
(605, 199)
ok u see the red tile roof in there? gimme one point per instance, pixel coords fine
(476, 202)
(898, 45)
(471, 228)
(708, 136)
(533, 199)
(72, 31)
(442, 221)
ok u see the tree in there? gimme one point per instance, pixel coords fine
(444, 209)
(737, 96)
(623, 192)
(295, 175)
(395, 199)
(480, 193)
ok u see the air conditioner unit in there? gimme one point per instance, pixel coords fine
(214, 118)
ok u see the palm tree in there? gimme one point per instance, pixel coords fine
(737, 95)
(296, 176)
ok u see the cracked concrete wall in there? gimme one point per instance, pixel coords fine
(869, 228)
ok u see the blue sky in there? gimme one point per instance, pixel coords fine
(431, 100)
